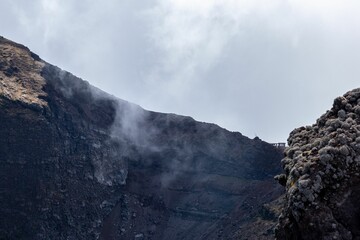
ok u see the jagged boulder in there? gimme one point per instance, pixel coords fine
(322, 180)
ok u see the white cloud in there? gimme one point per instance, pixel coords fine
(272, 48)
(249, 65)
(191, 36)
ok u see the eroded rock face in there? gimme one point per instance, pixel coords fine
(77, 163)
(322, 167)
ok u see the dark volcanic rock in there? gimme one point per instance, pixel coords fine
(77, 163)
(322, 176)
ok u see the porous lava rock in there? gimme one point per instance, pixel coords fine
(321, 167)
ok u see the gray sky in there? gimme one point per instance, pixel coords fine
(259, 67)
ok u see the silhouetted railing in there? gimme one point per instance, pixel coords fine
(279, 145)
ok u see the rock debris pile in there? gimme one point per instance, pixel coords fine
(321, 176)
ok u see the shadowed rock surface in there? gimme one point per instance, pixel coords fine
(322, 176)
(77, 163)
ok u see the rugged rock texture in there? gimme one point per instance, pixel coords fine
(77, 163)
(322, 176)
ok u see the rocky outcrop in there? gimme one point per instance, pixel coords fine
(321, 176)
(77, 163)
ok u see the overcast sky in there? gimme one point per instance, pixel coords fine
(259, 67)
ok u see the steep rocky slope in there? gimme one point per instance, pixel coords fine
(321, 176)
(77, 163)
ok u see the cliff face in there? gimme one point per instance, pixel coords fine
(77, 163)
(322, 167)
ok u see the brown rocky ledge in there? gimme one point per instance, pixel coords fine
(20, 74)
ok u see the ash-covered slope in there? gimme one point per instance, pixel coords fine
(322, 179)
(77, 163)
